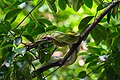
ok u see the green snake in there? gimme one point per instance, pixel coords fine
(62, 39)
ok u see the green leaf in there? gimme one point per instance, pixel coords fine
(113, 35)
(9, 2)
(3, 30)
(62, 4)
(50, 28)
(18, 41)
(21, 50)
(98, 2)
(102, 76)
(12, 13)
(13, 19)
(28, 57)
(30, 26)
(39, 75)
(115, 12)
(29, 38)
(8, 25)
(38, 30)
(88, 3)
(68, 3)
(91, 58)
(102, 6)
(52, 7)
(77, 4)
(108, 16)
(82, 74)
(103, 31)
(92, 64)
(84, 23)
(97, 37)
(118, 43)
(94, 49)
(25, 71)
(45, 21)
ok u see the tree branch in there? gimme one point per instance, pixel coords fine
(83, 35)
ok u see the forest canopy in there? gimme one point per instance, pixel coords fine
(59, 40)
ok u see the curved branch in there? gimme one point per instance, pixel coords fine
(81, 38)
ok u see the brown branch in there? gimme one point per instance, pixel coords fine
(83, 35)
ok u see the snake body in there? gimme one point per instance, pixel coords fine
(62, 39)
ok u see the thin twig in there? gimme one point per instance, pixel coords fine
(28, 14)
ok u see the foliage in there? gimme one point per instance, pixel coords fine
(21, 21)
